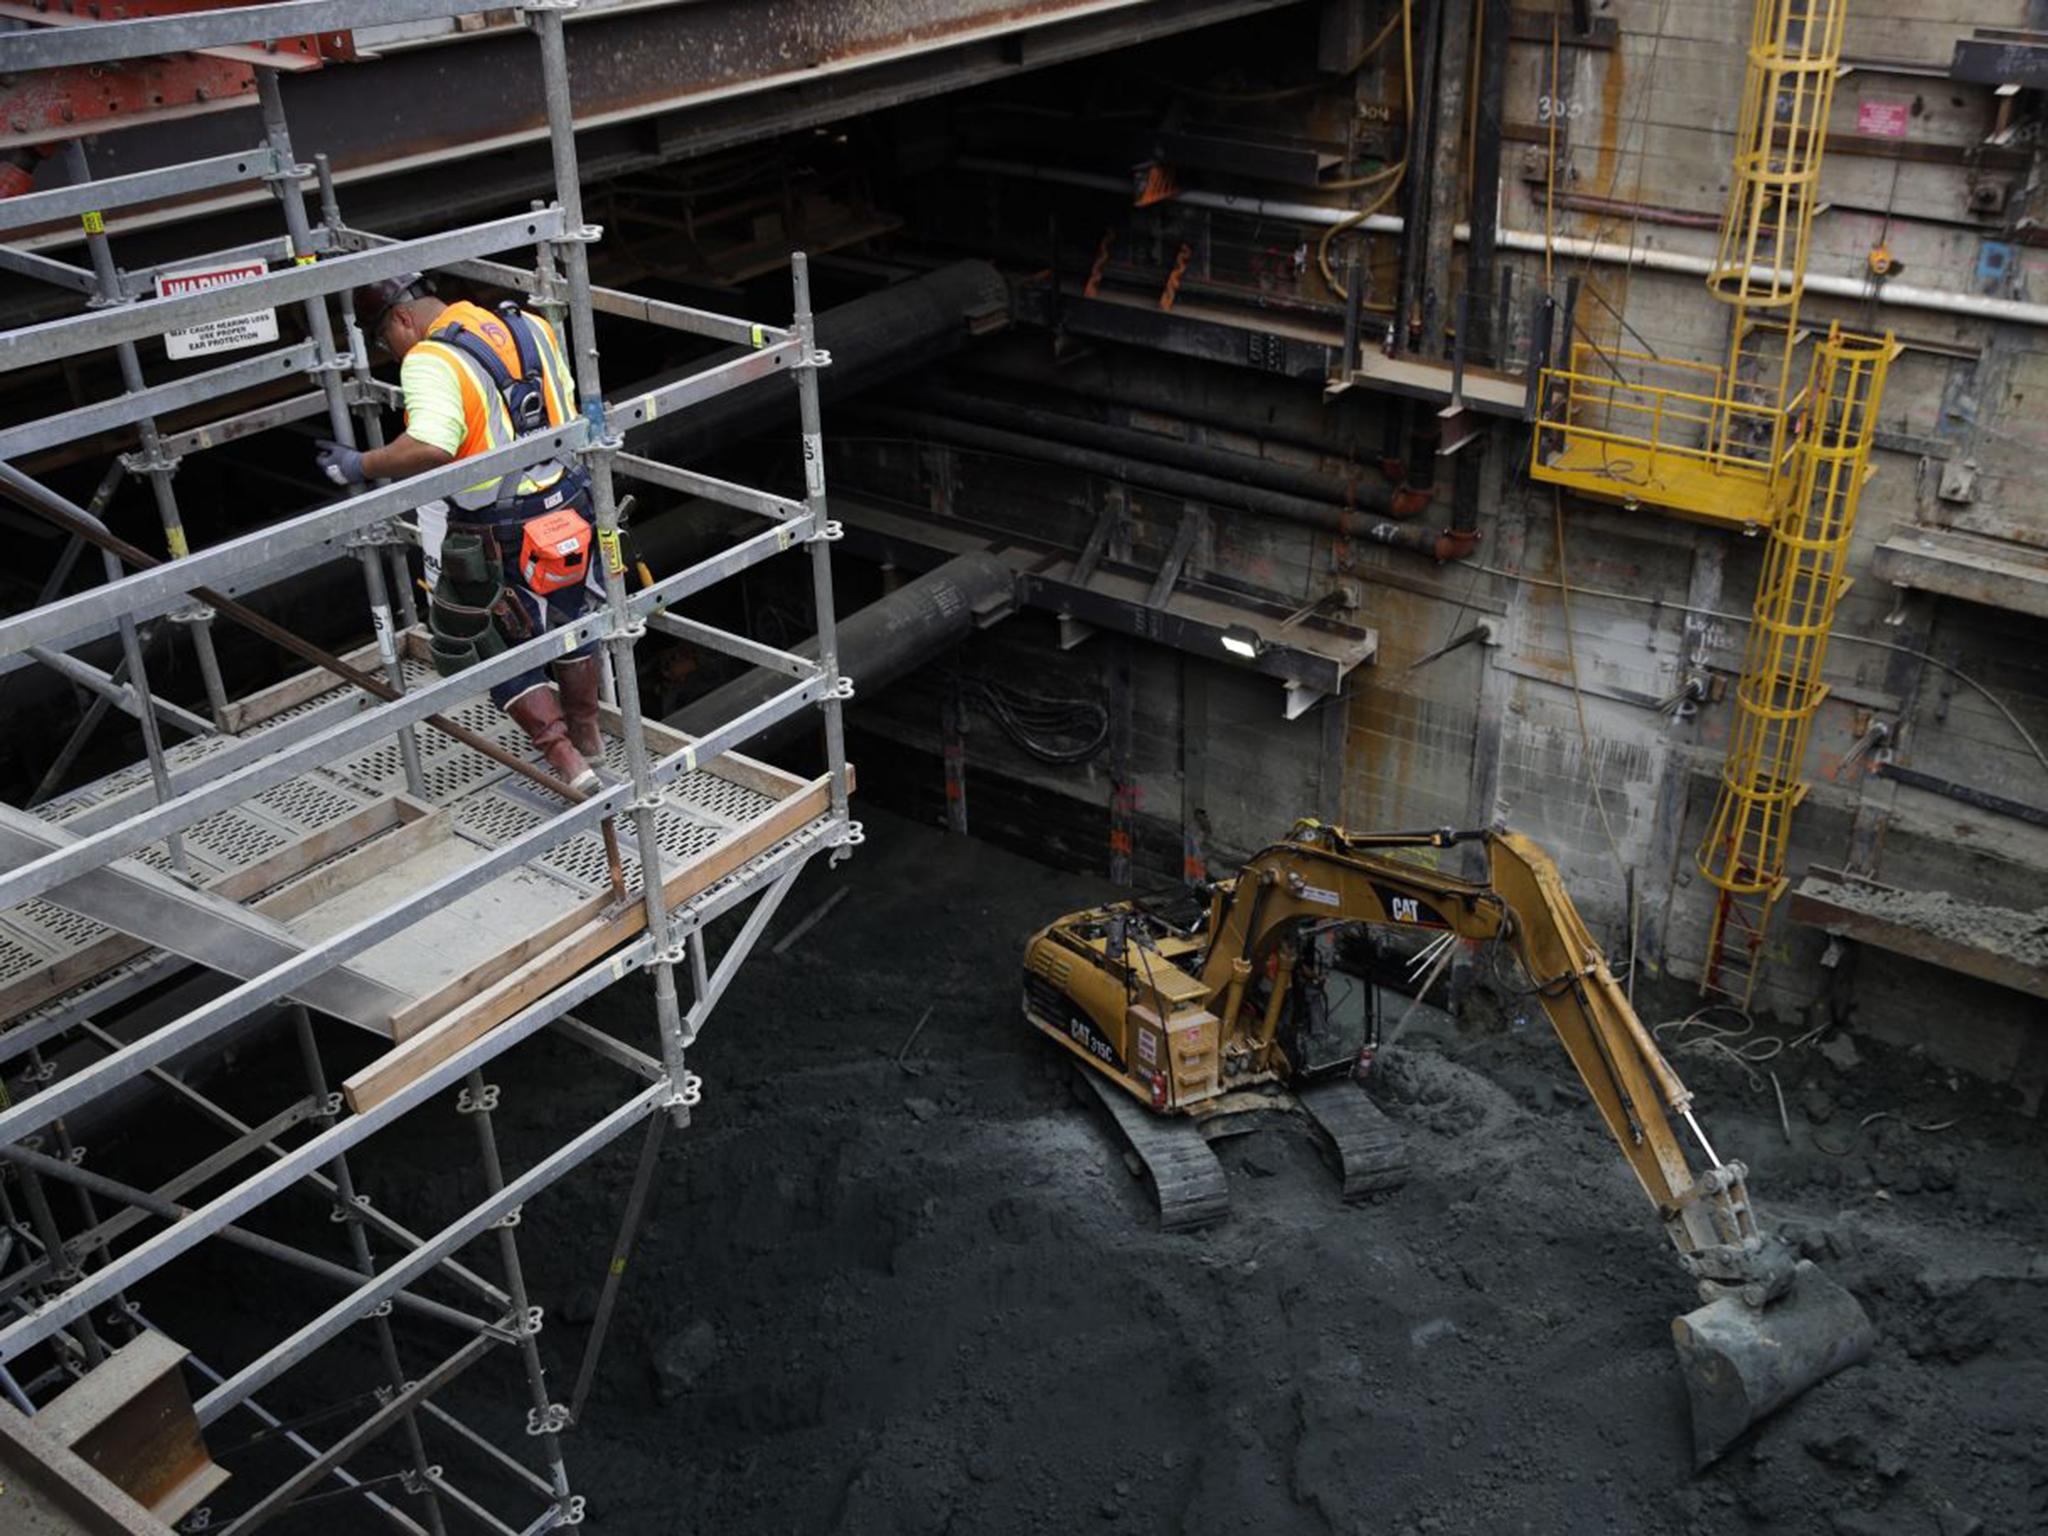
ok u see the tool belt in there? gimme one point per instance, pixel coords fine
(470, 616)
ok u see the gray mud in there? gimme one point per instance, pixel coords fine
(931, 1298)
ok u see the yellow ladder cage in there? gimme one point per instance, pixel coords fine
(1714, 442)
(1744, 850)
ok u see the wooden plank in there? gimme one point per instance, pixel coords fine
(295, 690)
(413, 833)
(435, 1043)
(410, 1021)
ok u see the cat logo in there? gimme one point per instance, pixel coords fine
(1402, 908)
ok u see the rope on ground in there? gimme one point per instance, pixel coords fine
(1697, 1035)
(1869, 1120)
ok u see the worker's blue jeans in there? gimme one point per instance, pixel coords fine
(503, 533)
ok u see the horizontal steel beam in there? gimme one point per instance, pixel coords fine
(122, 694)
(158, 400)
(708, 572)
(265, 574)
(696, 388)
(141, 282)
(689, 482)
(137, 187)
(52, 623)
(72, 334)
(58, 274)
(246, 424)
(606, 301)
(729, 644)
(105, 42)
(75, 1011)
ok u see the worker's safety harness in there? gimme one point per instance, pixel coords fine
(471, 616)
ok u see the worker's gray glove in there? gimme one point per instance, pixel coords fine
(340, 463)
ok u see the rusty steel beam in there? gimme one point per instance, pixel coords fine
(663, 82)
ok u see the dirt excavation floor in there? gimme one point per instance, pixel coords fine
(928, 1298)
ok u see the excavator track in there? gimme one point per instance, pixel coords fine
(1359, 1140)
(1186, 1178)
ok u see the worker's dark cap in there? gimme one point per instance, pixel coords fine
(373, 301)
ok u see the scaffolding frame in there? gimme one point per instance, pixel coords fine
(59, 1278)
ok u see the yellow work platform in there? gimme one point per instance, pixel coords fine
(1644, 431)
(1634, 473)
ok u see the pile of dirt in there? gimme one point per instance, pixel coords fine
(928, 1296)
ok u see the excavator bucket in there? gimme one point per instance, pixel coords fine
(1741, 1364)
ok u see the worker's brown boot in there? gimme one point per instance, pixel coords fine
(539, 713)
(577, 678)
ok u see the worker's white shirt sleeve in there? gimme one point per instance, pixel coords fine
(433, 400)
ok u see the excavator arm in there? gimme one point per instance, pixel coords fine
(1771, 1325)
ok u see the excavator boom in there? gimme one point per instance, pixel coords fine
(1769, 1327)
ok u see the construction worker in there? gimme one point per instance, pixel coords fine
(516, 554)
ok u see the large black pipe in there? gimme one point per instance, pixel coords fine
(1135, 471)
(871, 339)
(1223, 463)
(877, 645)
(1483, 212)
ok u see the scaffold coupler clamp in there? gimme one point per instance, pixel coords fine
(143, 464)
(849, 836)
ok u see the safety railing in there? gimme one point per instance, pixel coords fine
(1631, 427)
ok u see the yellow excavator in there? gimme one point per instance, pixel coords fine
(1188, 1028)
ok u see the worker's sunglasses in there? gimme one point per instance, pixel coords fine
(380, 338)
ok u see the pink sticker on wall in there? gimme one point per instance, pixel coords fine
(1882, 119)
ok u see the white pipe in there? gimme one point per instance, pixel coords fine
(1903, 295)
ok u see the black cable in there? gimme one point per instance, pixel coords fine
(1049, 728)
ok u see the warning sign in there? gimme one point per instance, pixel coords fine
(227, 333)
(1883, 119)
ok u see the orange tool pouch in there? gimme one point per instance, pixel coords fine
(554, 552)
